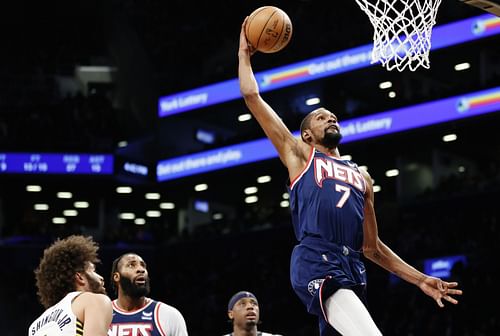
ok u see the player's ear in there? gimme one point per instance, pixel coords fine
(230, 315)
(80, 279)
(116, 277)
(306, 136)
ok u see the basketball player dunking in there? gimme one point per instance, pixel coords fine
(331, 201)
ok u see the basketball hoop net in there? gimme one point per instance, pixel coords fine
(402, 31)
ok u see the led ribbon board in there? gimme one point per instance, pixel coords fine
(330, 65)
(56, 163)
(356, 129)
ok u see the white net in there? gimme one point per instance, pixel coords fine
(402, 31)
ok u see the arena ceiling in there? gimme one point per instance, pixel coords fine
(159, 48)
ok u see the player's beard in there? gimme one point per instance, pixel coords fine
(331, 140)
(133, 290)
(95, 285)
(251, 324)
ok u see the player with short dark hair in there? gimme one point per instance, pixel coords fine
(134, 313)
(333, 216)
(71, 291)
(244, 313)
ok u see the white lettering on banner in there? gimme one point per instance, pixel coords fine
(355, 59)
(96, 159)
(193, 100)
(337, 63)
(366, 126)
(169, 105)
(188, 164)
(71, 158)
(130, 329)
(348, 129)
(316, 68)
(179, 102)
(135, 168)
(372, 125)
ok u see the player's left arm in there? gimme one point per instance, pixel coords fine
(95, 311)
(171, 320)
(378, 252)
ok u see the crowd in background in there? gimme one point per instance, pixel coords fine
(197, 271)
(36, 117)
(198, 274)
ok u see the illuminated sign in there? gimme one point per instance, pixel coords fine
(442, 267)
(215, 159)
(135, 168)
(333, 64)
(356, 129)
(56, 163)
(201, 206)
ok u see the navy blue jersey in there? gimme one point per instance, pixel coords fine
(154, 319)
(327, 201)
(327, 206)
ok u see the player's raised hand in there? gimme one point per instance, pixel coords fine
(439, 290)
(246, 48)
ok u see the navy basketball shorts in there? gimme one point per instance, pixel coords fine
(318, 268)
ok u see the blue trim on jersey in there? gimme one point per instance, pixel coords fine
(139, 322)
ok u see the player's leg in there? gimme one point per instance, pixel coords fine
(325, 328)
(348, 315)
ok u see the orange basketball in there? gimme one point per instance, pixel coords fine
(268, 29)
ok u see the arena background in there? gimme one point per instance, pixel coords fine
(204, 246)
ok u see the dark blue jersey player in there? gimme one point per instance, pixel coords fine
(134, 313)
(333, 218)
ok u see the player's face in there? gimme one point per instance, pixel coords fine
(95, 282)
(245, 313)
(134, 279)
(325, 128)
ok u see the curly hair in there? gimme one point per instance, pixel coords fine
(55, 275)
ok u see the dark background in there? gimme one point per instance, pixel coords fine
(196, 263)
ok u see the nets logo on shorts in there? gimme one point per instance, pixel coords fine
(314, 285)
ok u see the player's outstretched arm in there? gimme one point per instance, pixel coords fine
(378, 252)
(286, 144)
(434, 287)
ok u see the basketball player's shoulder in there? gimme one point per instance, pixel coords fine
(94, 298)
(91, 300)
(165, 308)
(163, 304)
